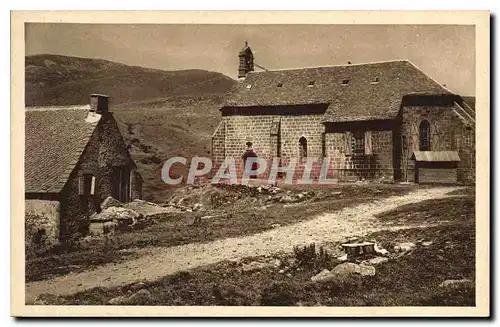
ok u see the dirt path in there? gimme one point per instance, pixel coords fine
(161, 261)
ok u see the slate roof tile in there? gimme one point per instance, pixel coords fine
(373, 90)
(55, 140)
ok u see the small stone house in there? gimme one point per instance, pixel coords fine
(75, 157)
(382, 120)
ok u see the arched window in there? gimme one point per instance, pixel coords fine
(425, 136)
(302, 148)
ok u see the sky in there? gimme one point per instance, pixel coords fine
(444, 52)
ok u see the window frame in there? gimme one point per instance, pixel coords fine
(303, 149)
(424, 141)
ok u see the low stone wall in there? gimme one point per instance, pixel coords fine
(41, 223)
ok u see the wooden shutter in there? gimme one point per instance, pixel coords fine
(92, 186)
(368, 143)
(348, 143)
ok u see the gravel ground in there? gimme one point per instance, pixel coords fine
(158, 262)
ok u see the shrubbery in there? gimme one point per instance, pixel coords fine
(307, 256)
(278, 294)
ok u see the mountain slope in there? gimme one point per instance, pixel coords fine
(160, 113)
(61, 80)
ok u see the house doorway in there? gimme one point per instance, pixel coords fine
(121, 183)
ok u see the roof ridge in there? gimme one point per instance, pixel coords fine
(330, 66)
(67, 107)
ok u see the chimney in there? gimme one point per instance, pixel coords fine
(99, 103)
(246, 61)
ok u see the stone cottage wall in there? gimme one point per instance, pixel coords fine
(105, 150)
(448, 133)
(41, 223)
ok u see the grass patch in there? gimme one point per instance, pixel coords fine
(409, 280)
(468, 190)
(57, 264)
(430, 211)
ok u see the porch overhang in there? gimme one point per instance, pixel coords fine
(435, 156)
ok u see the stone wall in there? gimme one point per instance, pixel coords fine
(218, 146)
(41, 223)
(346, 166)
(273, 131)
(277, 133)
(258, 129)
(105, 150)
(449, 132)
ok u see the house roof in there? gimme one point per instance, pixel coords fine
(55, 140)
(436, 156)
(352, 92)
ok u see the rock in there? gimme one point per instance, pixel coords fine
(286, 199)
(380, 250)
(342, 258)
(353, 268)
(324, 276)
(274, 190)
(146, 208)
(254, 266)
(140, 296)
(454, 284)
(276, 225)
(277, 262)
(377, 260)
(404, 247)
(119, 300)
(427, 243)
(138, 286)
(282, 271)
(110, 202)
(365, 270)
(117, 213)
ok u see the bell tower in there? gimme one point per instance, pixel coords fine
(246, 61)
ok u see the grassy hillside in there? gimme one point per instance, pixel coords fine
(158, 130)
(160, 113)
(58, 80)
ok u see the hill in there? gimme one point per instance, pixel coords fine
(158, 130)
(160, 113)
(60, 80)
